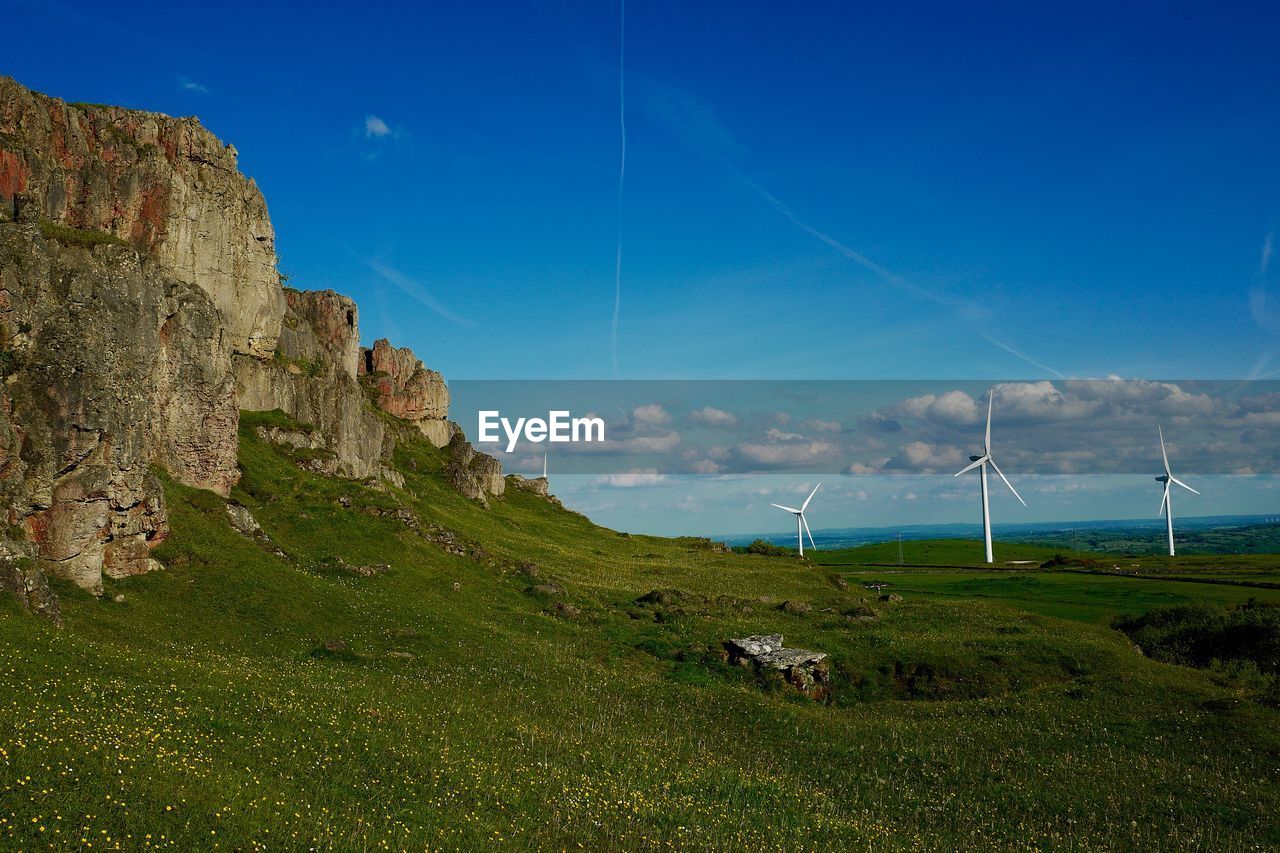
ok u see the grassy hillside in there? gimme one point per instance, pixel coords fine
(501, 682)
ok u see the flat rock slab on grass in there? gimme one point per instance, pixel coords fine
(802, 669)
(788, 658)
(755, 645)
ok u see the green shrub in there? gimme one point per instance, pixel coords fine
(78, 236)
(768, 549)
(1202, 635)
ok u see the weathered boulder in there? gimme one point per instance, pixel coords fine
(166, 185)
(242, 521)
(112, 366)
(790, 658)
(753, 646)
(802, 669)
(403, 387)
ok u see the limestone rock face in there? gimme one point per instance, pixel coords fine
(166, 185)
(140, 311)
(322, 320)
(536, 485)
(403, 387)
(473, 473)
(112, 366)
(313, 380)
(21, 579)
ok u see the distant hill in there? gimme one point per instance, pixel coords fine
(1215, 534)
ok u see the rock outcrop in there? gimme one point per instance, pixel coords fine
(403, 387)
(473, 473)
(112, 366)
(140, 311)
(312, 378)
(165, 185)
(20, 577)
(537, 485)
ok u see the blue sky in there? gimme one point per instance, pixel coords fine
(924, 191)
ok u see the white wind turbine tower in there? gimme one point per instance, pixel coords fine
(981, 462)
(802, 526)
(544, 465)
(1166, 507)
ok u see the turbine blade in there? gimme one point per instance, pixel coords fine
(974, 464)
(1007, 483)
(806, 530)
(789, 509)
(805, 505)
(1163, 452)
(991, 400)
(1184, 485)
(1164, 501)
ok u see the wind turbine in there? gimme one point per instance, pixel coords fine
(544, 465)
(1166, 507)
(981, 462)
(802, 526)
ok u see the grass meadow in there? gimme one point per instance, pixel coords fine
(502, 683)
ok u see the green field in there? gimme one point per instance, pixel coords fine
(262, 694)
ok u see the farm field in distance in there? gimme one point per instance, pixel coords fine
(1112, 586)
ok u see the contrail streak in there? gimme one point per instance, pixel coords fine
(416, 291)
(1028, 359)
(964, 307)
(622, 173)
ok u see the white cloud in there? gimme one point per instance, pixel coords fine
(823, 426)
(635, 478)
(781, 455)
(952, 407)
(705, 466)
(1268, 246)
(923, 456)
(652, 413)
(774, 434)
(714, 417)
(189, 85)
(375, 128)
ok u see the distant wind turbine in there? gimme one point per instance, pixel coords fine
(1166, 507)
(544, 465)
(981, 462)
(802, 526)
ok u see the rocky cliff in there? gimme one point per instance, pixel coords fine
(406, 389)
(164, 185)
(140, 311)
(112, 365)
